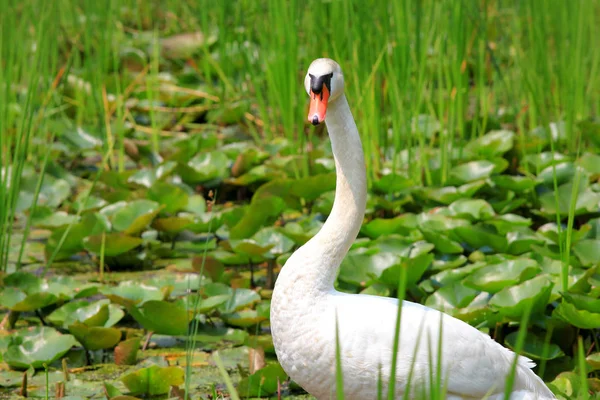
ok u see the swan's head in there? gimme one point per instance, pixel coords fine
(324, 83)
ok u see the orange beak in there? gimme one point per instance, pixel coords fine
(318, 106)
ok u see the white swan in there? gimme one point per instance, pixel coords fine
(305, 304)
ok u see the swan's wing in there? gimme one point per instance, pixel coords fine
(471, 361)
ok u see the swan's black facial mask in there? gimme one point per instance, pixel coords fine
(320, 89)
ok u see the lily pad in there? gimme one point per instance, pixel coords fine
(511, 302)
(36, 348)
(263, 382)
(171, 197)
(471, 171)
(534, 347)
(493, 143)
(153, 380)
(95, 337)
(111, 244)
(162, 317)
(583, 319)
(131, 218)
(495, 277)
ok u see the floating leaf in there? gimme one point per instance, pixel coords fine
(133, 217)
(170, 196)
(36, 348)
(162, 317)
(126, 351)
(115, 243)
(95, 337)
(132, 292)
(205, 167)
(493, 143)
(471, 171)
(263, 382)
(153, 380)
(495, 277)
(379, 226)
(580, 318)
(534, 347)
(512, 302)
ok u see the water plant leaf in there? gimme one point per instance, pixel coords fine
(38, 347)
(415, 268)
(471, 171)
(511, 302)
(243, 318)
(359, 268)
(153, 380)
(162, 317)
(95, 337)
(131, 218)
(205, 167)
(401, 224)
(115, 243)
(495, 277)
(534, 347)
(132, 292)
(491, 144)
(479, 236)
(472, 209)
(277, 242)
(588, 251)
(172, 225)
(240, 298)
(172, 197)
(583, 319)
(517, 184)
(263, 382)
(17, 300)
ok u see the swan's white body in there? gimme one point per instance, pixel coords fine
(305, 307)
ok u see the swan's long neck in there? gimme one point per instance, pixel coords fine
(327, 248)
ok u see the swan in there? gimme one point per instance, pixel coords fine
(305, 306)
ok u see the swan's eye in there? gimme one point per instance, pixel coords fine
(317, 82)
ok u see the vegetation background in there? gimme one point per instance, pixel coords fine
(157, 170)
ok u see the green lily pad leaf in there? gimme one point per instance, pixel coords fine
(495, 277)
(153, 380)
(448, 194)
(100, 313)
(448, 261)
(95, 337)
(359, 268)
(162, 317)
(521, 242)
(479, 236)
(257, 214)
(250, 247)
(586, 202)
(263, 382)
(172, 225)
(588, 251)
(590, 162)
(240, 298)
(518, 184)
(25, 281)
(563, 173)
(53, 220)
(450, 297)
(36, 348)
(170, 196)
(472, 209)
(311, 187)
(115, 243)
(402, 225)
(583, 302)
(534, 347)
(279, 242)
(243, 318)
(415, 268)
(11, 379)
(196, 204)
(90, 224)
(209, 304)
(442, 243)
(205, 167)
(16, 300)
(593, 360)
(301, 232)
(130, 292)
(58, 316)
(511, 302)
(471, 171)
(133, 217)
(392, 183)
(491, 144)
(580, 318)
